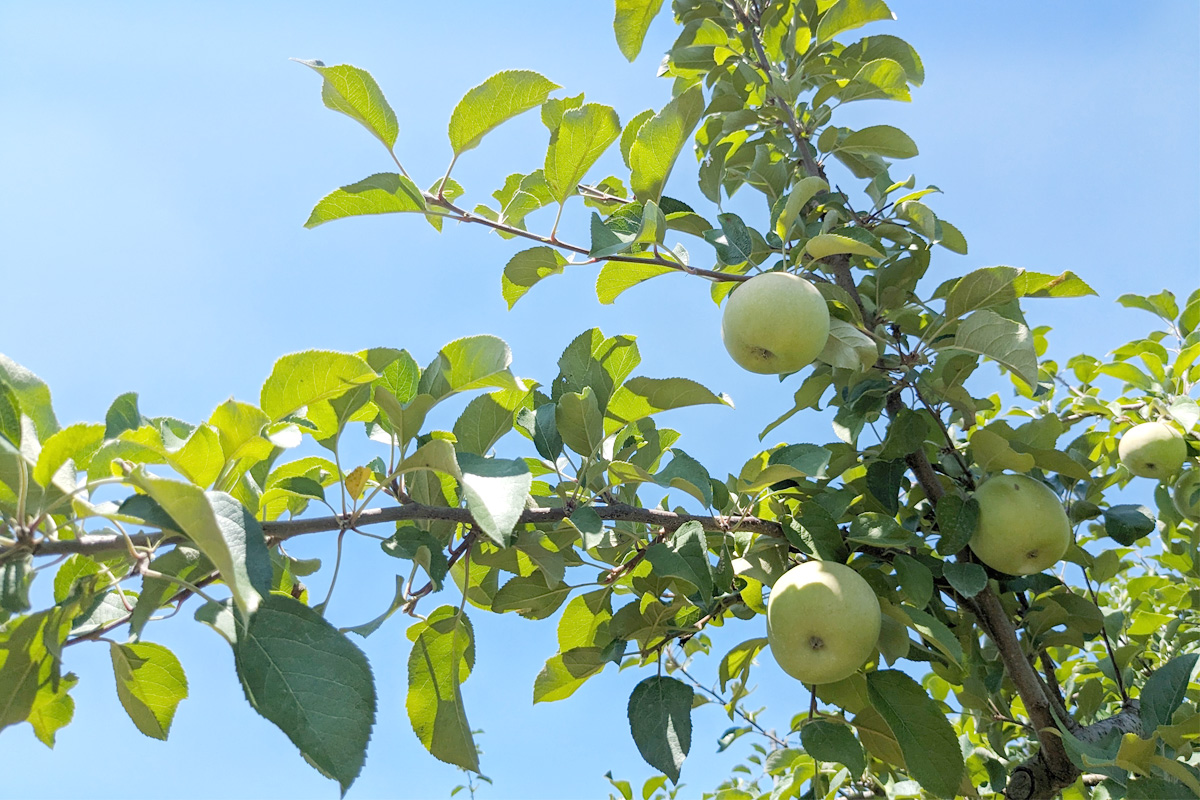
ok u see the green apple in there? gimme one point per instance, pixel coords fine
(1023, 527)
(1152, 450)
(823, 621)
(774, 323)
(1186, 495)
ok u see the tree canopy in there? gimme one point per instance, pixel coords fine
(564, 498)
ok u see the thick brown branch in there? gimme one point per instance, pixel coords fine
(280, 530)
(995, 621)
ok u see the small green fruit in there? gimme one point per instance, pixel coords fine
(775, 323)
(823, 621)
(1186, 494)
(1152, 450)
(1023, 528)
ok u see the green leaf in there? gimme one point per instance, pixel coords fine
(1007, 342)
(916, 581)
(804, 190)
(880, 78)
(1128, 523)
(353, 92)
(223, 530)
(24, 665)
(878, 530)
(581, 138)
(311, 681)
(640, 397)
(495, 490)
(845, 15)
(499, 98)
(994, 453)
(473, 362)
(301, 379)
(566, 672)
(631, 22)
(829, 741)
(442, 657)
(52, 709)
(736, 663)
(616, 277)
(660, 141)
(879, 140)
(529, 596)
(832, 244)
(684, 557)
(150, 685)
(957, 521)
(593, 360)
(590, 526)
(122, 415)
(967, 579)
(1036, 284)
(1164, 691)
(32, 393)
(183, 562)
(579, 422)
(485, 420)
(418, 545)
(930, 746)
(542, 425)
(437, 455)
(381, 193)
(629, 134)
(239, 429)
(76, 443)
(990, 286)
(527, 268)
(10, 415)
(660, 720)
(848, 348)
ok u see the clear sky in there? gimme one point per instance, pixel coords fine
(158, 161)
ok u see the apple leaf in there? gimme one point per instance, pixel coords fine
(499, 98)
(442, 657)
(926, 738)
(1001, 339)
(1164, 691)
(527, 268)
(353, 92)
(659, 142)
(303, 675)
(150, 685)
(631, 22)
(495, 490)
(1128, 523)
(660, 719)
(829, 741)
(381, 193)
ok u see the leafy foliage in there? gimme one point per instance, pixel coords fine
(1024, 681)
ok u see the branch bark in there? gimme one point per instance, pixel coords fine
(280, 530)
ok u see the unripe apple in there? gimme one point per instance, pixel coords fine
(823, 621)
(1152, 450)
(1023, 527)
(774, 323)
(1186, 494)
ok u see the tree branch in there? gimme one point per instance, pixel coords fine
(281, 530)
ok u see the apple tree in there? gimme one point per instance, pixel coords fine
(1037, 626)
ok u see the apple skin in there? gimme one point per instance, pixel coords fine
(1023, 527)
(1186, 495)
(823, 622)
(1152, 450)
(775, 323)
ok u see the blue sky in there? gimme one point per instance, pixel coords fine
(159, 161)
